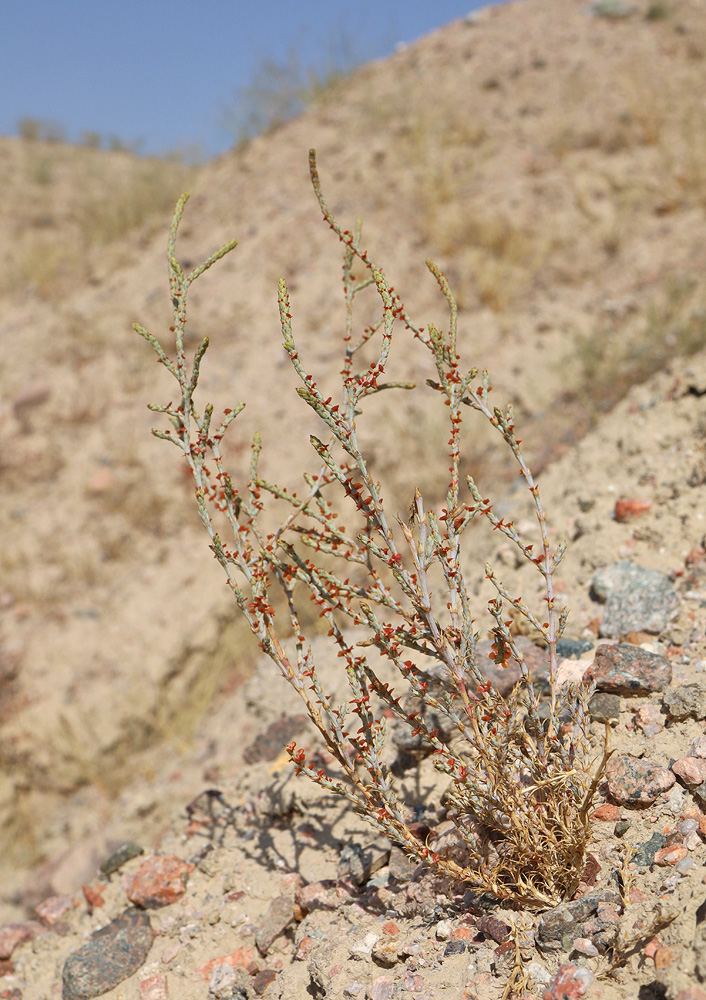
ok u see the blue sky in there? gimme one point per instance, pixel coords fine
(162, 72)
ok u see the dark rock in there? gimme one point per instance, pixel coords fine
(573, 649)
(688, 701)
(636, 599)
(559, 926)
(494, 928)
(455, 948)
(621, 827)
(636, 782)
(262, 980)
(279, 915)
(604, 707)
(628, 670)
(360, 863)
(643, 855)
(121, 857)
(113, 953)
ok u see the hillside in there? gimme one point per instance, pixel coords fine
(551, 161)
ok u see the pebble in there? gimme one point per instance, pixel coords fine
(604, 707)
(628, 670)
(154, 988)
(628, 508)
(353, 989)
(386, 952)
(261, 980)
(670, 855)
(443, 930)
(607, 812)
(494, 928)
(636, 782)
(52, 910)
(584, 946)
(643, 855)
(158, 881)
(379, 989)
(364, 947)
(559, 927)
(569, 983)
(239, 959)
(279, 915)
(12, 935)
(112, 954)
(691, 770)
(121, 857)
(649, 719)
(686, 701)
(636, 599)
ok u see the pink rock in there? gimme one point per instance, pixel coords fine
(12, 935)
(101, 481)
(607, 812)
(691, 770)
(379, 989)
(239, 959)
(670, 855)
(158, 881)
(154, 988)
(626, 509)
(570, 983)
(698, 747)
(52, 909)
(306, 945)
(316, 896)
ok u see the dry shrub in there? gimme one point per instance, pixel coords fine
(521, 783)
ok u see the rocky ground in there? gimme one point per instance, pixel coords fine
(263, 886)
(567, 208)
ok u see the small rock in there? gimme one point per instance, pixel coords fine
(636, 599)
(604, 707)
(538, 974)
(261, 980)
(685, 865)
(279, 915)
(154, 988)
(363, 947)
(670, 855)
(12, 935)
(607, 812)
(628, 670)
(570, 983)
(455, 948)
(664, 957)
(353, 989)
(494, 928)
(627, 510)
(443, 930)
(379, 989)
(317, 896)
(698, 747)
(643, 855)
(52, 910)
(113, 953)
(584, 946)
(361, 863)
(621, 827)
(228, 982)
(121, 857)
(158, 881)
(572, 649)
(691, 770)
(686, 701)
(239, 959)
(102, 481)
(649, 719)
(386, 952)
(93, 896)
(559, 927)
(636, 782)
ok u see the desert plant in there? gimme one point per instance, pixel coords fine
(521, 786)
